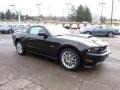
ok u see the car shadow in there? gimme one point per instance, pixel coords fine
(55, 62)
(106, 36)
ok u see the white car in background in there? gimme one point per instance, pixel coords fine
(74, 26)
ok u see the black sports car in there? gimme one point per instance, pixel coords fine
(73, 50)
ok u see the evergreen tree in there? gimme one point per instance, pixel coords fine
(80, 14)
(2, 16)
(88, 16)
(73, 13)
(14, 16)
(8, 14)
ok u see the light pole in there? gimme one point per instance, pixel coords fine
(112, 11)
(18, 13)
(39, 11)
(50, 13)
(68, 6)
(12, 5)
(102, 4)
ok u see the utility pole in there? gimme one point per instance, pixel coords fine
(102, 4)
(39, 11)
(19, 16)
(112, 11)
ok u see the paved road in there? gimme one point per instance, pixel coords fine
(32, 72)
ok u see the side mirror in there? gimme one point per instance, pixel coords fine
(43, 34)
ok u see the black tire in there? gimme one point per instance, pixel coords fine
(9, 31)
(20, 46)
(110, 34)
(78, 63)
(88, 33)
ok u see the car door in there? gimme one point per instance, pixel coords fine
(40, 44)
(103, 31)
(35, 42)
(96, 30)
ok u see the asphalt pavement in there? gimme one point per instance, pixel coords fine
(31, 72)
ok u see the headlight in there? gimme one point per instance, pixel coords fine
(93, 50)
(99, 50)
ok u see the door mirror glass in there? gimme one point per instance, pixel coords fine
(43, 34)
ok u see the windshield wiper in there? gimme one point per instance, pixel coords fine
(90, 36)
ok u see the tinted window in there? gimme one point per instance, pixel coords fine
(36, 30)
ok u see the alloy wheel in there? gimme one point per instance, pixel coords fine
(19, 48)
(69, 59)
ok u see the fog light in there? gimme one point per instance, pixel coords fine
(88, 61)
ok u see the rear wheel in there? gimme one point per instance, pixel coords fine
(70, 59)
(20, 48)
(110, 34)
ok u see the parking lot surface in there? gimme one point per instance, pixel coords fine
(31, 72)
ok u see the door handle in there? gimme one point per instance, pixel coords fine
(27, 37)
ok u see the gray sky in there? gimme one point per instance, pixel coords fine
(59, 8)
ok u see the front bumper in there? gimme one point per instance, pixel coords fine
(93, 59)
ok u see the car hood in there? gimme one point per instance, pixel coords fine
(84, 39)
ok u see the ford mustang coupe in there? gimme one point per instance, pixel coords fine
(72, 50)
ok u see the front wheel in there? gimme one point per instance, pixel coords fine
(70, 59)
(20, 48)
(88, 33)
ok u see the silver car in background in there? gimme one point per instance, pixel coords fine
(100, 30)
(5, 29)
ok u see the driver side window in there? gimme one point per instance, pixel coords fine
(36, 30)
(98, 28)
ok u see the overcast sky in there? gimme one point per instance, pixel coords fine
(59, 8)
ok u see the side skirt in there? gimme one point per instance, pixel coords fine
(41, 54)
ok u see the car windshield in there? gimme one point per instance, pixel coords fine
(57, 30)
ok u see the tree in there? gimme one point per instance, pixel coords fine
(80, 14)
(14, 16)
(2, 16)
(8, 14)
(103, 20)
(88, 16)
(73, 13)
